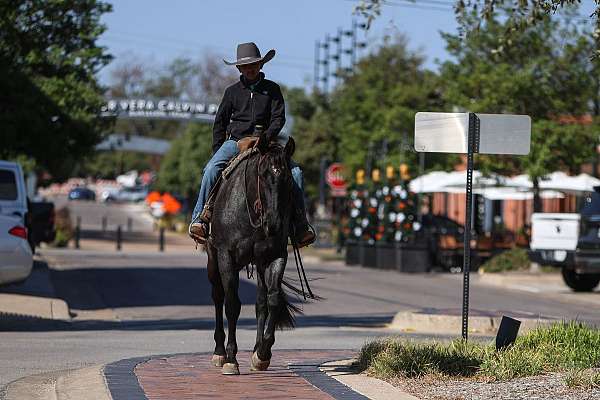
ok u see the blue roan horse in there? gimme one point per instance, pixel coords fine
(250, 225)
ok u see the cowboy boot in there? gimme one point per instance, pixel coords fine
(198, 231)
(304, 234)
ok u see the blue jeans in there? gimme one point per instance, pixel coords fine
(218, 162)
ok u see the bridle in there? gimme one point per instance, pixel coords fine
(258, 207)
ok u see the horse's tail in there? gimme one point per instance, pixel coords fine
(285, 317)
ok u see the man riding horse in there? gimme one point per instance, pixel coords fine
(251, 113)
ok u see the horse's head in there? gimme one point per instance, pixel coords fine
(276, 186)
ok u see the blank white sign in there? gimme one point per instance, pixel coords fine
(448, 133)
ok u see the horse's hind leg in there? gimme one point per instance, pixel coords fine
(218, 296)
(231, 282)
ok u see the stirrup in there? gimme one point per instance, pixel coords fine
(196, 238)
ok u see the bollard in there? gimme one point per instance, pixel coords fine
(119, 238)
(161, 239)
(129, 224)
(77, 232)
(104, 223)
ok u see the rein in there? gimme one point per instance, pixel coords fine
(258, 209)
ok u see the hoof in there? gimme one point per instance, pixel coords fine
(256, 364)
(217, 360)
(230, 369)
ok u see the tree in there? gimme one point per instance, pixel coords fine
(377, 105)
(542, 72)
(313, 132)
(373, 106)
(204, 79)
(181, 168)
(523, 15)
(50, 96)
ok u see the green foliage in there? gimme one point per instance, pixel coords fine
(110, 164)
(511, 260)
(557, 146)
(412, 359)
(313, 132)
(376, 103)
(181, 168)
(48, 62)
(583, 378)
(561, 347)
(472, 14)
(542, 70)
(379, 101)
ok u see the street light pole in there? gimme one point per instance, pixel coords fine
(326, 65)
(317, 62)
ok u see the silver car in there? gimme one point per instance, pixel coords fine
(16, 259)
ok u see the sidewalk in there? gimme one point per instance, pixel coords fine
(293, 374)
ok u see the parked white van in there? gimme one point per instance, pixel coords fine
(16, 258)
(13, 194)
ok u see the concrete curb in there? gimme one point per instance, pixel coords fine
(32, 306)
(373, 388)
(414, 321)
(80, 384)
(527, 282)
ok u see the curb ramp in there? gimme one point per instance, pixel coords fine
(373, 388)
(430, 321)
(24, 306)
(79, 384)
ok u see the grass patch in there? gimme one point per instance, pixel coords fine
(561, 347)
(583, 378)
(63, 227)
(511, 260)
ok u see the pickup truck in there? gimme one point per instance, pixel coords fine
(571, 242)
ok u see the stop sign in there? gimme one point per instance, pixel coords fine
(334, 177)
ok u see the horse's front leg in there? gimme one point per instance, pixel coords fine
(218, 296)
(278, 313)
(231, 281)
(261, 307)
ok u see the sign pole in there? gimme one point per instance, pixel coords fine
(471, 134)
(472, 148)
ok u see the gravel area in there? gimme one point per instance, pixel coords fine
(543, 387)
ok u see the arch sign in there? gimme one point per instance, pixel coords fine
(159, 109)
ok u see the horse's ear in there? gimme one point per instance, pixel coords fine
(290, 147)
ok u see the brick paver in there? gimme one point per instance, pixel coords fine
(192, 376)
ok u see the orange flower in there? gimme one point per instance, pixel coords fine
(152, 197)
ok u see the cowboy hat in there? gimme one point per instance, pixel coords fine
(248, 53)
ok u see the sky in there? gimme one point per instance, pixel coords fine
(157, 31)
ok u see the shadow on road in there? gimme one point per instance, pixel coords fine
(97, 288)
(37, 284)
(139, 286)
(330, 321)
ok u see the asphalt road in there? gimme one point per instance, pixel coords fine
(132, 304)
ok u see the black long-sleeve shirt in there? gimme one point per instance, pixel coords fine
(245, 106)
